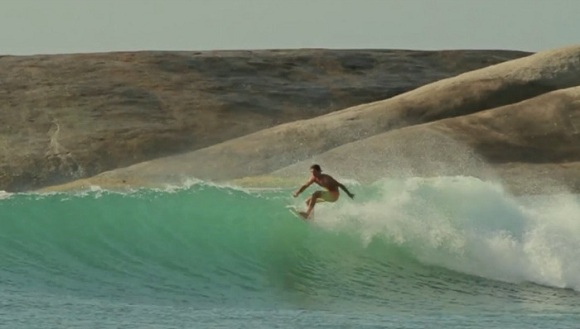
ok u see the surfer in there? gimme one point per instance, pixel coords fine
(328, 182)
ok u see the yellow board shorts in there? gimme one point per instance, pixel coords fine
(328, 196)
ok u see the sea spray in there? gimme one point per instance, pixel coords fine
(470, 226)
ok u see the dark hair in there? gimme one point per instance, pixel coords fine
(315, 167)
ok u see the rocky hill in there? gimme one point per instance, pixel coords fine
(67, 117)
(517, 122)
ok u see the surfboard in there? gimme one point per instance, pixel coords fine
(297, 213)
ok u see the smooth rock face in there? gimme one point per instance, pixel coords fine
(524, 114)
(66, 117)
(533, 146)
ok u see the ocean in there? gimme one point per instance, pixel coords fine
(444, 252)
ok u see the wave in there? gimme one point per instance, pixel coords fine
(208, 241)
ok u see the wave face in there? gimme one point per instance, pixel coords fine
(451, 243)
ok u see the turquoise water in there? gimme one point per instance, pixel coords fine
(448, 252)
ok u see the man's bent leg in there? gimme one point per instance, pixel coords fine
(312, 202)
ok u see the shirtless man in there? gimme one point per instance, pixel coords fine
(326, 181)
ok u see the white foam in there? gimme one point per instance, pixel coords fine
(4, 195)
(471, 226)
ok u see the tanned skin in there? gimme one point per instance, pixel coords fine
(324, 180)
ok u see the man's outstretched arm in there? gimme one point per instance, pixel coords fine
(346, 190)
(303, 187)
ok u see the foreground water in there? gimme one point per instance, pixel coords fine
(449, 252)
